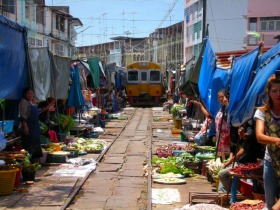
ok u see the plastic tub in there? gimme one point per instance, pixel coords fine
(178, 152)
(246, 188)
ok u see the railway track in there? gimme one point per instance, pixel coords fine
(118, 182)
(120, 164)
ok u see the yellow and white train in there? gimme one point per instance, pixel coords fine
(144, 84)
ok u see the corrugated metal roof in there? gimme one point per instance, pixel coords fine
(224, 58)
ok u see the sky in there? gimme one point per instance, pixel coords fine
(104, 19)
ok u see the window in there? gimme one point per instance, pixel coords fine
(196, 30)
(31, 41)
(29, 11)
(40, 14)
(9, 6)
(270, 23)
(60, 23)
(133, 75)
(39, 43)
(278, 25)
(154, 76)
(197, 49)
(253, 24)
(143, 76)
(187, 14)
(59, 49)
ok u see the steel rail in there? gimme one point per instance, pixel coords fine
(77, 189)
(149, 202)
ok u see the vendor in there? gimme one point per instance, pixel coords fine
(207, 131)
(248, 153)
(29, 124)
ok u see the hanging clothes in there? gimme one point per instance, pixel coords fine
(222, 132)
(75, 98)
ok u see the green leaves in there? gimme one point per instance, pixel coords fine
(255, 34)
(27, 166)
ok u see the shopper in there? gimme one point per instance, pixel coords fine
(267, 132)
(222, 127)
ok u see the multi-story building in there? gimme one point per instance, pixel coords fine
(264, 18)
(226, 25)
(122, 51)
(165, 46)
(47, 26)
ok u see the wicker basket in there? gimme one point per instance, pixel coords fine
(7, 181)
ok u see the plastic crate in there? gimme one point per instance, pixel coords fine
(8, 126)
(195, 166)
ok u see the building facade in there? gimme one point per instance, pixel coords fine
(165, 47)
(226, 21)
(264, 18)
(122, 51)
(47, 26)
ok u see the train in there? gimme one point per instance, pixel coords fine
(144, 83)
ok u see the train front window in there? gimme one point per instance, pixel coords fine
(143, 76)
(133, 76)
(154, 76)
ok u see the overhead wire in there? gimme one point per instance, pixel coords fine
(214, 24)
(33, 14)
(162, 21)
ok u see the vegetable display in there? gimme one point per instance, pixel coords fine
(205, 156)
(66, 122)
(175, 109)
(43, 127)
(168, 165)
(250, 168)
(88, 145)
(184, 157)
(248, 205)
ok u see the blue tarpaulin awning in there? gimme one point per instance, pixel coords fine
(13, 63)
(254, 97)
(207, 69)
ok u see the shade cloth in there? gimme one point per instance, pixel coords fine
(40, 64)
(94, 69)
(61, 67)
